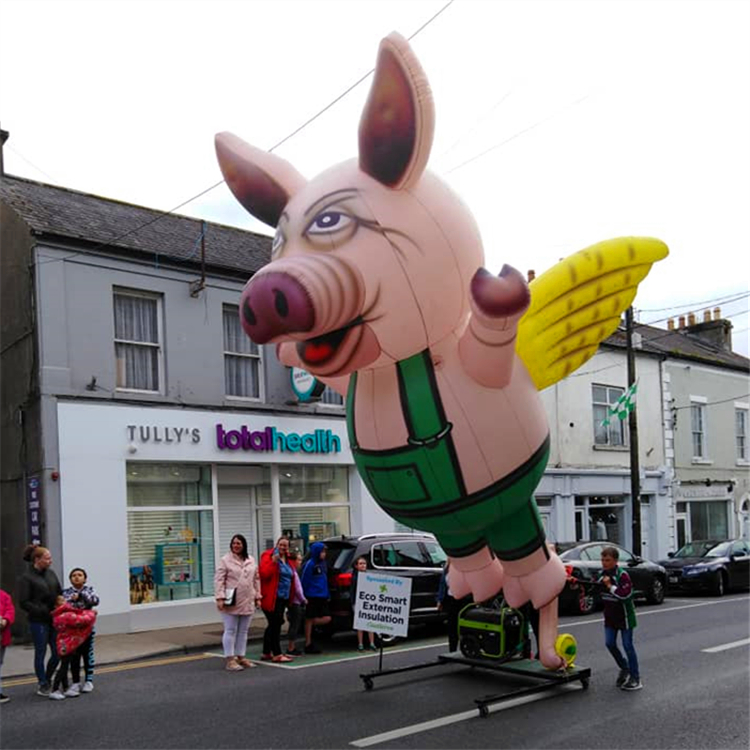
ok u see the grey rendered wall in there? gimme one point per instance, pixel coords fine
(77, 330)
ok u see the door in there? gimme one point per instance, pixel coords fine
(236, 517)
(681, 529)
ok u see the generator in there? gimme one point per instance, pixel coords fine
(493, 631)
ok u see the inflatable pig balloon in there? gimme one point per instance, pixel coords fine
(377, 287)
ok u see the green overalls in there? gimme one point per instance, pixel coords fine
(421, 484)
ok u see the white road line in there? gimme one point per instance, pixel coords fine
(655, 611)
(426, 726)
(726, 646)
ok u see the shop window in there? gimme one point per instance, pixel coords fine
(708, 520)
(740, 421)
(242, 359)
(698, 428)
(612, 434)
(170, 532)
(314, 502)
(300, 483)
(600, 518)
(138, 352)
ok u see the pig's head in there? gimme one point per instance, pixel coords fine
(372, 259)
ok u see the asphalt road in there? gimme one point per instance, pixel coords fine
(692, 698)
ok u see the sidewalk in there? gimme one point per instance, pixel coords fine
(111, 649)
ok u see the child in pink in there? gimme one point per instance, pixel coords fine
(72, 626)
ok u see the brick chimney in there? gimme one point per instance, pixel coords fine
(716, 332)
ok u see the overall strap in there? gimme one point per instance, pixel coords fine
(421, 405)
(420, 400)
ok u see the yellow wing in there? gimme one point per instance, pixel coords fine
(576, 304)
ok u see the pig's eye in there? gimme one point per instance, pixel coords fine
(278, 242)
(329, 221)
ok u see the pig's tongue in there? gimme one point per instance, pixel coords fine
(319, 350)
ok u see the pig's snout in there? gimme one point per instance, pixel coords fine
(274, 304)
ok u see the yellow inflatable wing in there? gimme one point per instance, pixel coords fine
(576, 304)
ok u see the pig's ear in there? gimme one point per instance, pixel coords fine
(398, 121)
(262, 182)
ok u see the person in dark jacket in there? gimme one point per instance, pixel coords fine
(38, 589)
(315, 586)
(619, 617)
(451, 606)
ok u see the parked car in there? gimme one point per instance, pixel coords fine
(583, 561)
(711, 565)
(412, 555)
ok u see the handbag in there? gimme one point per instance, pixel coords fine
(230, 597)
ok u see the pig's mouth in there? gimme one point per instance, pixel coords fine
(320, 350)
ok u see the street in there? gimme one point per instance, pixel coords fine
(693, 653)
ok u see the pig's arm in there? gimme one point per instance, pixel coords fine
(488, 346)
(287, 355)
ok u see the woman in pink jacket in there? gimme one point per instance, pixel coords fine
(237, 592)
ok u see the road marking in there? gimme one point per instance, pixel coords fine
(726, 646)
(655, 611)
(322, 660)
(118, 668)
(426, 726)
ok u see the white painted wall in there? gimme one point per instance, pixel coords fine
(94, 447)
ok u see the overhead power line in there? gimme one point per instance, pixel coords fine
(216, 184)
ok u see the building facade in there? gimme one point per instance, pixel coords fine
(140, 427)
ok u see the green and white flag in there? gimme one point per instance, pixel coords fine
(623, 406)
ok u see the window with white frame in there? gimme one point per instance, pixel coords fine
(740, 421)
(614, 433)
(138, 351)
(331, 397)
(698, 427)
(242, 358)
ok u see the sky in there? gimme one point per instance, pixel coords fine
(560, 123)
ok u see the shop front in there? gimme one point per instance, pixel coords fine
(150, 499)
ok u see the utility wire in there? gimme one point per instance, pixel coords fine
(695, 304)
(216, 184)
(517, 135)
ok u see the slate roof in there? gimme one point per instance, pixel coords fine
(680, 344)
(110, 225)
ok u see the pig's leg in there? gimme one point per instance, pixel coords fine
(479, 574)
(487, 347)
(532, 571)
(548, 636)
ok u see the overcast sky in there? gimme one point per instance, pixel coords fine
(559, 123)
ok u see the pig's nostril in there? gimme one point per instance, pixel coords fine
(282, 306)
(248, 314)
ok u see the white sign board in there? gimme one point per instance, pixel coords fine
(382, 603)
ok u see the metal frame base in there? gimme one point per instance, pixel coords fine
(526, 668)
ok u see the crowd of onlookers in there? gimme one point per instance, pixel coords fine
(61, 620)
(283, 587)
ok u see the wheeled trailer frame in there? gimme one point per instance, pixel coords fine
(545, 679)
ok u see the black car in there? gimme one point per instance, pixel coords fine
(583, 562)
(711, 565)
(411, 555)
